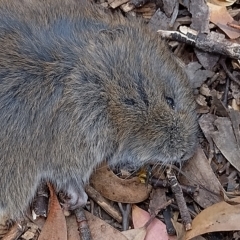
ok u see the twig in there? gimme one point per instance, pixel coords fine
(103, 203)
(83, 228)
(176, 189)
(174, 14)
(125, 214)
(225, 97)
(210, 43)
(223, 64)
(167, 219)
(192, 190)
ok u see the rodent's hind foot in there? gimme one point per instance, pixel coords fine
(72, 198)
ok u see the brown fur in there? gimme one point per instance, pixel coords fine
(78, 86)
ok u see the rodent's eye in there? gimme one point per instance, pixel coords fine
(129, 101)
(170, 102)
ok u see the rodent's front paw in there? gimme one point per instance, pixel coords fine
(72, 198)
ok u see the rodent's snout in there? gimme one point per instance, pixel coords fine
(166, 143)
(182, 137)
(182, 156)
(179, 157)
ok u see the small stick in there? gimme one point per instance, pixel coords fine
(103, 203)
(125, 214)
(177, 190)
(223, 64)
(207, 43)
(225, 98)
(83, 227)
(213, 79)
(118, 3)
(174, 14)
(167, 219)
(192, 190)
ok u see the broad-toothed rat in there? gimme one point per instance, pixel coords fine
(77, 87)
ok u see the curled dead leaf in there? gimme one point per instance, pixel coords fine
(119, 190)
(55, 227)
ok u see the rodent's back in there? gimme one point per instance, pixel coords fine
(76, 88)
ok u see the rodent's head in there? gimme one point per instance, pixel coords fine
(155, 118)
(149, 101)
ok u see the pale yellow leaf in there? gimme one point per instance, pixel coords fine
(221, 216)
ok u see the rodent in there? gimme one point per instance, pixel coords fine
(77, 87)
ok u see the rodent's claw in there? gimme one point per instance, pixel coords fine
(73, 199)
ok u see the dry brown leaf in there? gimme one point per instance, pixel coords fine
(119, 190)
(199, 172)
(157, 199)
(135, 234)
(179, 228)
(219, 217)
(226, 142)
(55, 226)
(220, 16)
(100, 230)
(181, 232)
(235, 106)
(222, 2)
